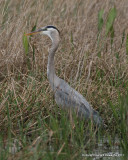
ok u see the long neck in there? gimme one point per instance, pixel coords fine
(50, 67)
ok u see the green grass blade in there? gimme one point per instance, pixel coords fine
(110, 20)
(112, 36)
(34, 28)
(127, 45)
(123, 37)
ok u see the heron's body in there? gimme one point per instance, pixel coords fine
(65, 96)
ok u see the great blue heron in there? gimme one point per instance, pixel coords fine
(65, 96)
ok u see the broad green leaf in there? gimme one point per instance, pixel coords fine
(110, 20)
(100, 19)
(25, 44)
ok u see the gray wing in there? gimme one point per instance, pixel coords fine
(67, 97)
(68, 101)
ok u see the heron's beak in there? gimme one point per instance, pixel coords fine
(34, 32)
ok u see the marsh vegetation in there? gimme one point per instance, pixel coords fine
(92, 58)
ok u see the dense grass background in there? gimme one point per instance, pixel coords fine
(92, 58)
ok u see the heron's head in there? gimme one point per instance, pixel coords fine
(50, 31)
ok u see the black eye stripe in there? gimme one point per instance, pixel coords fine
(52, 27)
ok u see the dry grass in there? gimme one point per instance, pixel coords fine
(25, 91)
